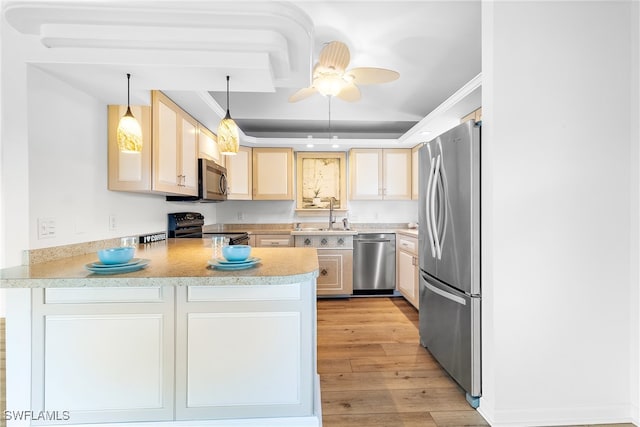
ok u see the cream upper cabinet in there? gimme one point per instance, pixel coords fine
(175, 148)
(415, 168)
(380, 174)
(129, 171)
(272, 174)
(208, 145)
(239, 174)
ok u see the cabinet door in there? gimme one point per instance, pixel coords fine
(129, 171)
(174, 148)
(396, 167)
(208, 145)
(188, 155)
(365, 166)
(335, 275)
(415, 165)
(406, 276)
(85, 353)
(272, 174)
(239, 174)
(165, 144)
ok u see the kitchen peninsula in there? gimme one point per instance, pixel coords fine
(176, 342)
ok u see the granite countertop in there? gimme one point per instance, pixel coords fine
(174, 262)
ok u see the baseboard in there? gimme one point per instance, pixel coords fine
(613, 414)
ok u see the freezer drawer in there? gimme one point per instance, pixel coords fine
(450, 330)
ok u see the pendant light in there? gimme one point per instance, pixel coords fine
(129, 133)
(228, 132)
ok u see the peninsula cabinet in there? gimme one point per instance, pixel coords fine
(272, 174)
(174, 354)
(407, 270)
(239, 182)
(380, 174)
(175, 148)
(129, 171)
(91, 344)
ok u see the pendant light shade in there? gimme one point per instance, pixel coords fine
(228, 141)
(129, 133)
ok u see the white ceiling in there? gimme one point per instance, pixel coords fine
(186, 48)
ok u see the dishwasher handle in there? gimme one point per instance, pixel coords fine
(372, 241)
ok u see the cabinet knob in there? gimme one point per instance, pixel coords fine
(324, 272)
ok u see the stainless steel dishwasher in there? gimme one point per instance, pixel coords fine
(374, 263)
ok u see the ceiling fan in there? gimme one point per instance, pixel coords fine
(331, 78)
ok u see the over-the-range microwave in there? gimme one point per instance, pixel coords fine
(212, 184)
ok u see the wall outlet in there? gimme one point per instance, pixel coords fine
(46, 228)
(113, 223)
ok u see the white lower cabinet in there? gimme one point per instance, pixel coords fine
(111, 355)
(89, 350)
(407, 268)
(244, 353)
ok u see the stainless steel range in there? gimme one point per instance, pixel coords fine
(190, 225)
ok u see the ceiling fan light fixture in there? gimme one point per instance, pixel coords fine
(129, 132)
(228, 140)
(329, 84)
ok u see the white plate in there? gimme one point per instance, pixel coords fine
(234, 266)
(100, 264)
(119, 269)
(225, 261)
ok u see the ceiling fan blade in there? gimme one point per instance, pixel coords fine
(371, 75)
(302, 94)
(336, 55)
(350, 93)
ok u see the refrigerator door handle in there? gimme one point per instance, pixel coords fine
(446, 295)
(434, 224)
(443, 214)
(430, 233)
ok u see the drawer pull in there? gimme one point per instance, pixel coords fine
(324, 272)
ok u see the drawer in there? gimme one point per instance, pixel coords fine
(266, 240)
(408, 244)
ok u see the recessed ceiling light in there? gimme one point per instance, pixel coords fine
(425, 132)
(335, 146)
(309, 145)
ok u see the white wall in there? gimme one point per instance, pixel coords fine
(68, 171)
(556, 207)
(634, 250)
(284, 212)
(54, 154)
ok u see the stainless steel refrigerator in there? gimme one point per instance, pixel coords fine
(449, 236)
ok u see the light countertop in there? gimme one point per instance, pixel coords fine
(174, 262)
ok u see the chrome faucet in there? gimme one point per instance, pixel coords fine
(332, 218)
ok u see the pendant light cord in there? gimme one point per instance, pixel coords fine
(128, 80)
(228, 96)
(330, 136)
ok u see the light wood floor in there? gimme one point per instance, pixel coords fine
(374, 372)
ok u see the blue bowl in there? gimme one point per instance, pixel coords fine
(236, 252)
(119, 255)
